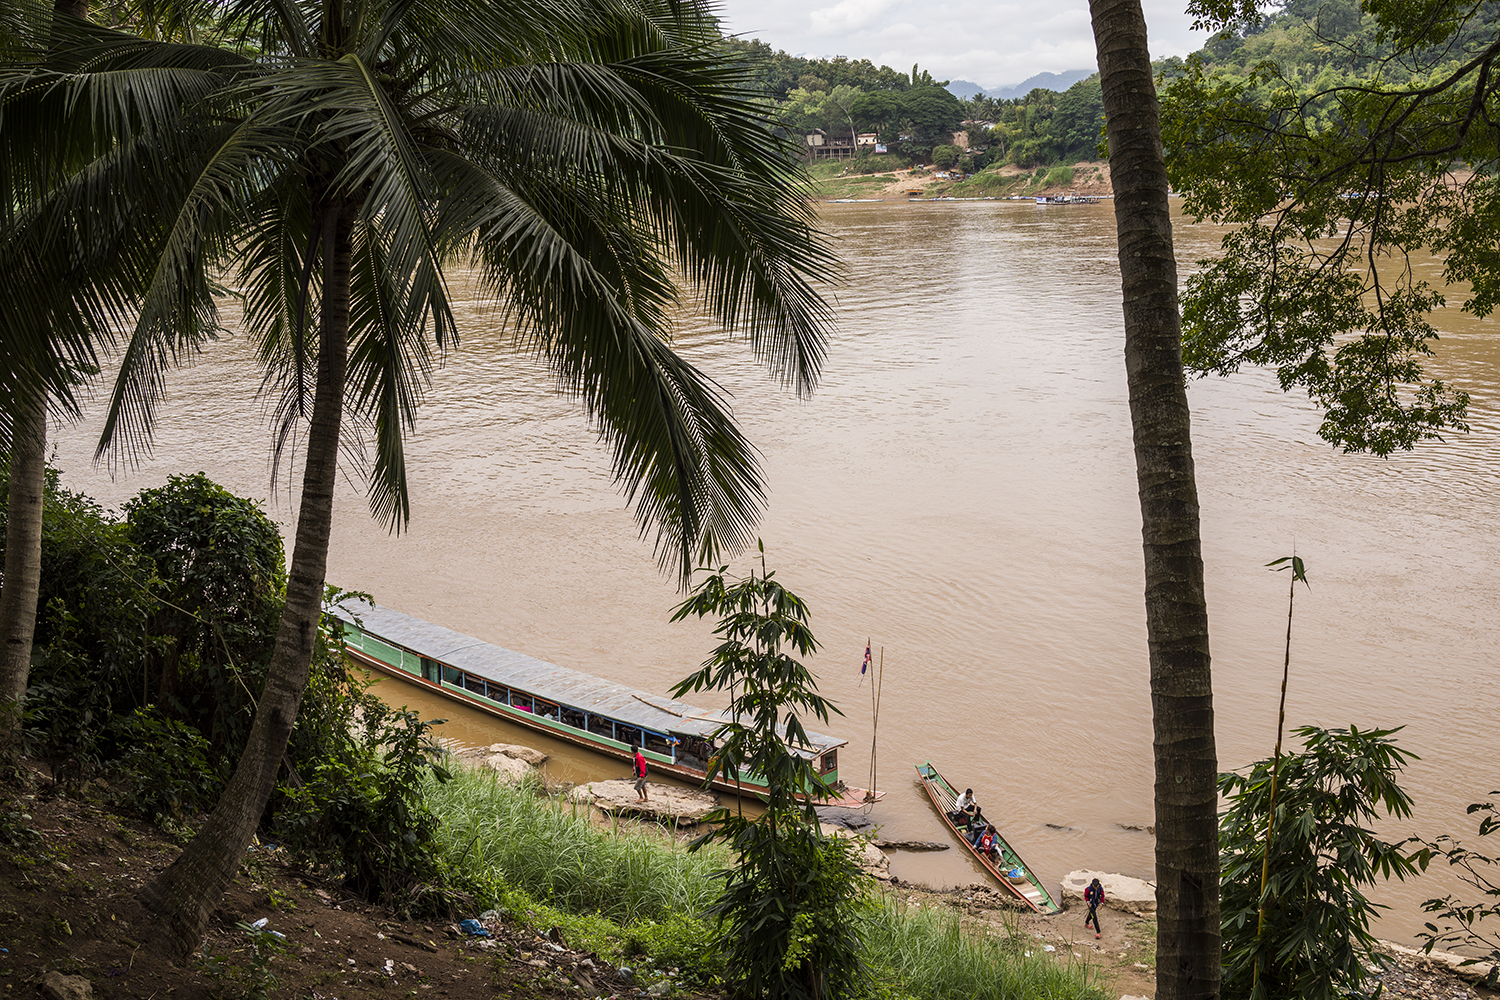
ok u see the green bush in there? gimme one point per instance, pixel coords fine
(1058, 177)
(945, 156)
(790, 910)
(882, 163)
(161, 766)
(362, 813)
(1316, 942)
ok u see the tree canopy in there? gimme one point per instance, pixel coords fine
(1341, 178)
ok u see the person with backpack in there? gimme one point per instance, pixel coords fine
(1094, 895)
(638, 767)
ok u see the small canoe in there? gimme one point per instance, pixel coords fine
(1008, 868)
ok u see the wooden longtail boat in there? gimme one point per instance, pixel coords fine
(676, 738)
(1009, 870)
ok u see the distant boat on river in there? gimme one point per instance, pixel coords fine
(610, 718)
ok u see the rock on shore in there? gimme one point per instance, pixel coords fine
(667, 803)
(508, 760)
(1121, 892)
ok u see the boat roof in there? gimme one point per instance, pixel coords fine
(544, 680)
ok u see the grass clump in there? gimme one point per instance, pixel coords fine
(1057, 177)
(562, 858)
(987, 184)
(927, 953)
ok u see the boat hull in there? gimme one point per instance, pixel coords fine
(1030, 889)
(840, 796)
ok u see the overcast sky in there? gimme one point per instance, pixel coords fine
(994, 43)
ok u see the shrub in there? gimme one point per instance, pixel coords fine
(162, 767)
(1316, 943)
(790, 908)
(1058, 177)
(362, 812)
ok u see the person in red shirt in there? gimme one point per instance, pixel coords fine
(639, 767)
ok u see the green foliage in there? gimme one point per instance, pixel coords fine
(552, 847)
(830, 110)
(945, 157)
(223, 572)
(1057, 177)
(97, 590)
(791, 908)
(631, 894)
(162, 766)
(928, 953)
(360, 808)
(777, 73)
(1316, 942)
(1461, 920)
(255, 979)
(1341, 148)
(175, 607)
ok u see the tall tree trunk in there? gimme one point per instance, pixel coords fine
(1187, 843)
(23, 562)
(184, 896)
(23, 533)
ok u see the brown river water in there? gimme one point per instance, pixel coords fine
(960, 491)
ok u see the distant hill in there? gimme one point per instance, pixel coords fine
(964, 89)
(1047, 81)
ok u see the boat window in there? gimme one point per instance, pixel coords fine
(602, 726)
(657, 743)
(475, 684)
(521, 700)
(545, 709)
(628, 735)
(430, 668)
(451, 674)
(499, 692)
(572, 717)
(695, 751)
(830, 761)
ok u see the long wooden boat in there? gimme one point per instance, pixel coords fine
(676, 738)
(1010, 871)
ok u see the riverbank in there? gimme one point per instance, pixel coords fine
(831, 182)
(67, 919)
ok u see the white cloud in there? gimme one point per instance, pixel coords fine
(992, 44)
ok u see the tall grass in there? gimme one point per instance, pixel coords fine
(629, 891)
(928, 953)
(553, 851)
(1058, 177)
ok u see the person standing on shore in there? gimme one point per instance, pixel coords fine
(639, 767)
(1094, 895)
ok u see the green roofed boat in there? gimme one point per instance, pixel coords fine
(678, 739)
(1007, 867)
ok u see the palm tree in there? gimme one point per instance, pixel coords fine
(589, 157)
(1187, 844)
(47, 339)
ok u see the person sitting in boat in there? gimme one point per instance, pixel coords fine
(964, 802)
(984, 840)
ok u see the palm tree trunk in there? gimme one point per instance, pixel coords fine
(184, 896)
(1187, 862)
(23, 533)
(23, 562)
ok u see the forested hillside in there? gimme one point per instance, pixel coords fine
(1316, 43)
